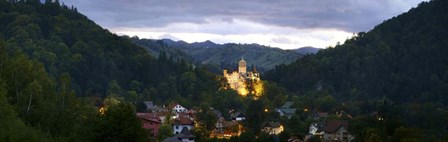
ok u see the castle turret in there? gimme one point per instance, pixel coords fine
(242, 66)
(225, 73)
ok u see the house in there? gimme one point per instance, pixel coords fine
(226, 129)
(272, 128)
(333, 130)
(150, 122)
(336, 130)
(316, 129)
(177, 108)
(181, 122)
(238, 116)
(184, 136)
(286, 110)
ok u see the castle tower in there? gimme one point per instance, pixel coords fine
(242, 66)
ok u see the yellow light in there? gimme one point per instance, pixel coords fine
(305, 110)
(266, 110)
(258, 87)
(102, 110)
(281, 129)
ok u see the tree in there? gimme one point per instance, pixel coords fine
(255, 115)
(119, 123)
(247, 136)
(165, 131)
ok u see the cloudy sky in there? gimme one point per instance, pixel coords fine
(285, 24)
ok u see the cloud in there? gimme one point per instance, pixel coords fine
(233, 18)
(281, 40)
(348, 15)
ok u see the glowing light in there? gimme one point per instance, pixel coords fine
(258, 87)
(242, 91)
(281, 129)
(305, 110)
(266, 110)
(102, 110)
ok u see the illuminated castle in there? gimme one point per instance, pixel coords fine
(240, 80)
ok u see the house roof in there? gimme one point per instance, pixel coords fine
(287, 104)
(172, 105)
(333, 125)
(271, 124)
(149, 117)
(183, 121)
(230, 123)
(184, 134)
(288, 111)
(149, 104)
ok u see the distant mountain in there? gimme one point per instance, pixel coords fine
(307, 50)
(155, 47)
(225, 56)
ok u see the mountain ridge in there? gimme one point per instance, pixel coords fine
(307, 50)
(227, 55)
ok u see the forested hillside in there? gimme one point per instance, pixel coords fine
(68, 43)
(400, 69)
(57, 67)
(156, 47)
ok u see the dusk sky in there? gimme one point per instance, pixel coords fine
(285, 24)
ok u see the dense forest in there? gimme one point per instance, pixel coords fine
(57, 66)
(399, 69)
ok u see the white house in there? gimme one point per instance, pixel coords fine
(178, 108)
(181, 122)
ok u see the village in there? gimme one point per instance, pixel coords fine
(183, 121)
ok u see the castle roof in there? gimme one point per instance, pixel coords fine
(242, 60)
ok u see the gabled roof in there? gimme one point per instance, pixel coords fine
(334, 125)
(288, 111)
(184, 134)
(149, 104)
(149, 117)
(183, 121)
(271, 124)
(287, 104)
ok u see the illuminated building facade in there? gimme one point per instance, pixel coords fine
(244, 82)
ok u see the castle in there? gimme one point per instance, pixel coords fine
(240, 80)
